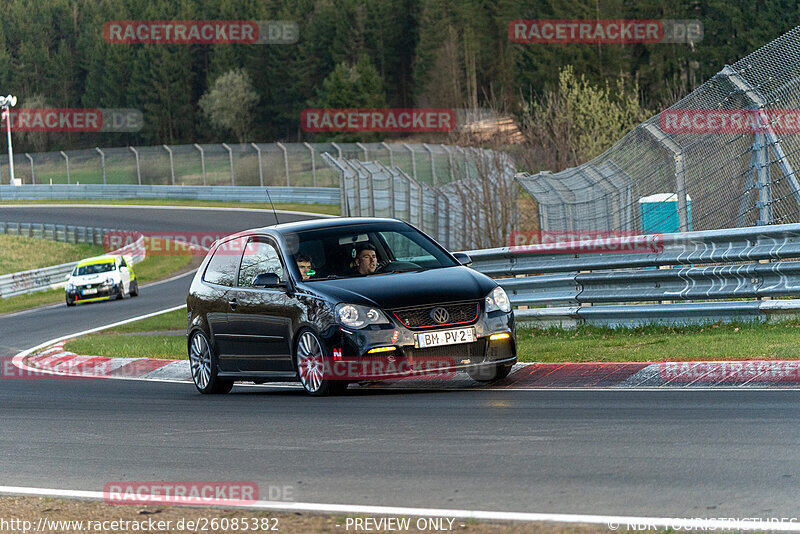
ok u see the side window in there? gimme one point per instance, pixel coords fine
(222, 267)
(259, 257)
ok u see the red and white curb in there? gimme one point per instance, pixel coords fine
(764, 374)
(54, 360)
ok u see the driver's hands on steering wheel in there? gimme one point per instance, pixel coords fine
(383, 263)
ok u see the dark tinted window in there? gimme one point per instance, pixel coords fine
(223, 265)
(398, 247)
(259, 257)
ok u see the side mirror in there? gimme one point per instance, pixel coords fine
(463, 258)
(67, 277)
(268, 280)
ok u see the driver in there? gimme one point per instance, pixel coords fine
(304, 265)
(366, 260)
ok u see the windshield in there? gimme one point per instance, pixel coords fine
(94, 268)
(366, 250)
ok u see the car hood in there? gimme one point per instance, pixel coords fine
(400, 290)
(92, 278)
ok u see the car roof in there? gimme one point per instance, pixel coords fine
(96, 260)
(316, 224)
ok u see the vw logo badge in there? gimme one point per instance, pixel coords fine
(440, 315)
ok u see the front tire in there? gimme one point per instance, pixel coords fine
(134, 289)
(311, 362)
(203, 363)
(489, 373)
(70, 303)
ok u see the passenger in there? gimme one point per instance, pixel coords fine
(304, 265)
(366, 260)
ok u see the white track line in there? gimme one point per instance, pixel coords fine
(161, 207)
(609, 521)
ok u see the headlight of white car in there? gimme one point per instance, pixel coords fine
(497, 300)
(70, 286)
(355, 316)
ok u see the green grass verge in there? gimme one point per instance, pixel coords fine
(114, 343)
(740, 341)
(734, 341)
(25, 253)
(325, 209)
(154, 267)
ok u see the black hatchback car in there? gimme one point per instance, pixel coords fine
(343, 300)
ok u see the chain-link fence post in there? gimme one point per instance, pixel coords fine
(102, 163)
(366, 152)
(260, 169)
(391, 154)
(313, 164)
(413, 161)
(285, 162)
(433, 165)
(33, 174)
(171, 164)
(230, 158)
(202, 162)
(66, 158)
(138, 168)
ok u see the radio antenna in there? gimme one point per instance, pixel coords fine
(273, 205)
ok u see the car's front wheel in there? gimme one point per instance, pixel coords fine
(134, 289)
(313, 366)
(69, 301)
(489, 373)
(203, 363)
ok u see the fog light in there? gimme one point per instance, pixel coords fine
(381, 349)
(498, 337)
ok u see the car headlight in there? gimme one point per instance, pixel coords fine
(355, 316)
(109, 281)
(497, 300)
(70, 286)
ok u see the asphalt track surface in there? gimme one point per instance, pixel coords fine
(646, 453)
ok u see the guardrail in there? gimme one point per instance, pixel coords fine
(742, 263)
(53, 276)
(302, 195)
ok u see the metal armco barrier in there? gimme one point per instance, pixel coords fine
(40, 279)
(706, 266)
(302, 195)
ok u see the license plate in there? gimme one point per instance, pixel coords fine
(88, 292)
(445, 337)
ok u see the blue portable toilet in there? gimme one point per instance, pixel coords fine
(659, 213)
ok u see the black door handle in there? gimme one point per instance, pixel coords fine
(233, 303)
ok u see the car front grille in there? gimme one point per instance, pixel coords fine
(459, 314)
(474, 351)
(89, 286)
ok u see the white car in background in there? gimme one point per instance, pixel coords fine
(101, 278)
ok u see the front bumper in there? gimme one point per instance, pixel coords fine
(103, 293)
(352, 360)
